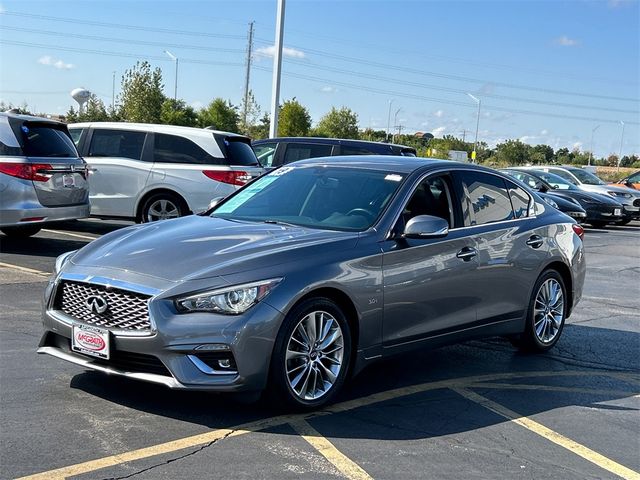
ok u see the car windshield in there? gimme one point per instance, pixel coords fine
(325, 197)
(556, 181)
(585, 177)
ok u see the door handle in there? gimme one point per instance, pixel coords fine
(535, 241)
(467, 253)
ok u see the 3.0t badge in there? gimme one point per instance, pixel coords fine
(96, 304)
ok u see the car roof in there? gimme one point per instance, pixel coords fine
(29, 118)
(329, 141)
(391, 163)
(155, 127)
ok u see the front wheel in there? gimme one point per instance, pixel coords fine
(546, 314)
(311, 355)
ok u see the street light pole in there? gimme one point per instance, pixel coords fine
(389, 119)
(475, 144)
(277, 69)
(395, 122)
(621, 140)
(591, 147)
(175, 89)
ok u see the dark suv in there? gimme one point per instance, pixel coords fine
(273, 152)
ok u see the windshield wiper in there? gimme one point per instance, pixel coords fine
(280, 222)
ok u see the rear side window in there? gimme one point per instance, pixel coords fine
(265, 153)
(76, 133)
(117, 143)
(520, 200)
(44, 141)
(486, 197)
(8, 151)
(176, 149)
(301, 151)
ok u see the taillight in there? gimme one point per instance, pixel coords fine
(27, 171)
(578, 230)
(231, 177)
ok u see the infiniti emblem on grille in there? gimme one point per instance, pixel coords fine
(96, 304)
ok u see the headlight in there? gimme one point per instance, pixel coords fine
(620, 194)
(229, 300)
(548, 201)
(62, 260)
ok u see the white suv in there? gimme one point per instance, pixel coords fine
(153, 172)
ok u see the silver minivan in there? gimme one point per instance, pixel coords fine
(42, 177)
(149, 172)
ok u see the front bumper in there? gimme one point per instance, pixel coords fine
(178, 351)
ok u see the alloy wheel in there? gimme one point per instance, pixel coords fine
(314, 356)
(162, 209)
(548, 312)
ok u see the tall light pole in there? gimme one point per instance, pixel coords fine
(593, 130)
(475, 144)
(389, 119)
(621, 140)
(395, 122)
(175, 89)
(277, 69)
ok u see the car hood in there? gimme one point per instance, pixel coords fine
(609, 188)
(582, 194)
(563, 202)
(196, 247)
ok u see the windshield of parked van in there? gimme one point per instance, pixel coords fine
(556, 181)
(585, 177)
(327, 197)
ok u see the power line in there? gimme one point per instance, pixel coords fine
(387, 66)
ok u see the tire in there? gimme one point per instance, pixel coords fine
(306, 378)
(599, 224)
(162, 206)
(20, 232)
(546, 314)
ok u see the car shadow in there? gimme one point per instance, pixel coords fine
(411, 405)
(40, 246)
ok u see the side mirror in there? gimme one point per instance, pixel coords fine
(426, 226)
(541, 187)
(214, 201)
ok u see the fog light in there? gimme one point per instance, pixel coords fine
(224, 363)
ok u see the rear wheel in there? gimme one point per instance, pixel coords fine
(162, 206)
(20, 232)
(546, 314)
(311, 355)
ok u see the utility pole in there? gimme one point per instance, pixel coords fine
(593, 130)
(277, 70)
(475, 144)
(175, 88)
(389, 119)
(621, 142)
(464, 135)
(399, 128)
(113, 94)
(248, 73)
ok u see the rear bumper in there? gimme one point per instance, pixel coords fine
(16, 216)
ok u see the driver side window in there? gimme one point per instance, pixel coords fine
(431, 197)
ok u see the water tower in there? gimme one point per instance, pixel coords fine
(80, 95)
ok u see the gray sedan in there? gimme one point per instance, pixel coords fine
(300, 279)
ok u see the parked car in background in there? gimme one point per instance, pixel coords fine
(273, 152)
(314, 271)
(42, 177)
(152, 172)
(589, 182)
(600, 209)
(632, 181)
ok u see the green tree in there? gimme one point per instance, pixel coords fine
(439, 147)
(142, 98)
(338, 123)
(373, 135)
(177, 112)
(250, 114)
(294, 120)
(542, 154)
(261, 129)
(221, 115)
(513, 152)
(94, 111)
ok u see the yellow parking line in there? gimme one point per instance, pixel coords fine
(551, 435)
(551, 388)
(344, 464)
(75, 235)
(200, 439)
(24, 269)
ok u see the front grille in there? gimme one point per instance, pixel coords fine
(120, 360)
(125, 310)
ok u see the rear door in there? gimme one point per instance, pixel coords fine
(119, 167)
(59, 174)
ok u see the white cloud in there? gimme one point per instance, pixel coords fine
(618, 3)
(438, 131)
(197, 104)
(577, 146)
(544, 132)
(565, 41)
(438, 113)
(49, 61)
(270, 51)
(328, 89)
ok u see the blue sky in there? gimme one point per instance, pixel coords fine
(546, 71)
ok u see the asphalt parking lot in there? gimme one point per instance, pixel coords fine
(475, 410)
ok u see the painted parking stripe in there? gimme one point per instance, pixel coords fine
(207, 437)
(551, 435)
(344, 464)
(24, 269)
(69, 234)
(551, 388)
